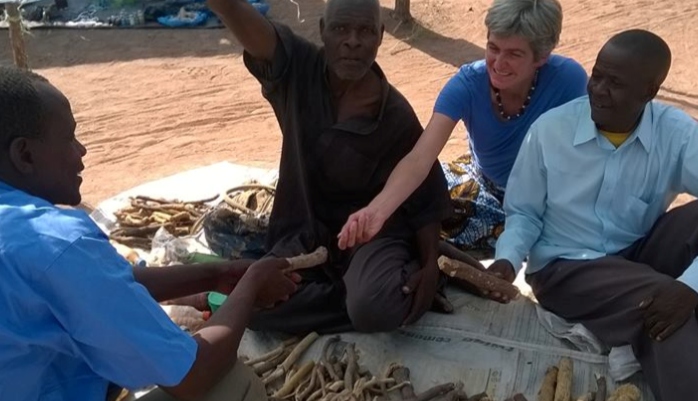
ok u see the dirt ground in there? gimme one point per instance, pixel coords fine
(151, 103)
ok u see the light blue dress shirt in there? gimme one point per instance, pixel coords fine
(573, 195)
(72, 317)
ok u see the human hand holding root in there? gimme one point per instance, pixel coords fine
(502, 269)
(668, 309)
(269, 282)
(494, 283)
(275, 269)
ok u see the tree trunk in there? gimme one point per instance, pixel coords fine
(16, 37)
(402, 10)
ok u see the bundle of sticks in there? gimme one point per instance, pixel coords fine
(336, 376)
(138, 222)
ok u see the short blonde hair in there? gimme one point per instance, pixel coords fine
(537, 21)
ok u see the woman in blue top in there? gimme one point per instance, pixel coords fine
(498, 99)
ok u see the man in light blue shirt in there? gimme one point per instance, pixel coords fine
(587, 201)
(75, 316)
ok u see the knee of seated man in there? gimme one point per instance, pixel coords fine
(374, 312)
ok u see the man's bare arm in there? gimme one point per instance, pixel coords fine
(256, 35)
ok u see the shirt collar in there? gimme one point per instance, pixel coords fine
(586, 129)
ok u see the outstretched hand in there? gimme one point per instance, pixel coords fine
(360, 228)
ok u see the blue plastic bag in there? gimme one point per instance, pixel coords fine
(175, 22)
(261, 6)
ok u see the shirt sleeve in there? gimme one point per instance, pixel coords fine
(272, 74)
(112, 322)
(454, 97)
(689, 183)
(524, 202)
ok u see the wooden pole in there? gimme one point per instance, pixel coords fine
(402, 10)
(16, 36)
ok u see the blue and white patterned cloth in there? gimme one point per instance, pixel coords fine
(477, 201)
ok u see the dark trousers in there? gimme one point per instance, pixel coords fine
(604, 294)
(367, 297)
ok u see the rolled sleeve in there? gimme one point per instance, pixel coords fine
(113, 323)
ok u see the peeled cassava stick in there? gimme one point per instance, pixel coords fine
(336, 386)
(563, 390)
(317, 395)
(295, 380)
(271, 364)
(321, 377)
(547, 389)
(357, 391)
(285, 367)
(305, 384)
(318, 257)
(265, 357)
(626, 392)
(299, 350)
(273, 353)
(479, 279)
(302, 395)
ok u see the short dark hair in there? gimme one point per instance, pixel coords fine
(21, 108)
(652, 50)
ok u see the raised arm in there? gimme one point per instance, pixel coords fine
(252, 30)
(409, 173)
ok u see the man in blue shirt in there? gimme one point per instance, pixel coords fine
(75, 316)
(587, 201)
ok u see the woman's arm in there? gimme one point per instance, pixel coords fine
(405, 178)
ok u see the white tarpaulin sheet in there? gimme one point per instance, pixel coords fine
(501, 349)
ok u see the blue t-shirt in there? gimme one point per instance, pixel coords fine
(72, 317)
(494, 143)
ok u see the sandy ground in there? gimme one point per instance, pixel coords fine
(150, 103)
